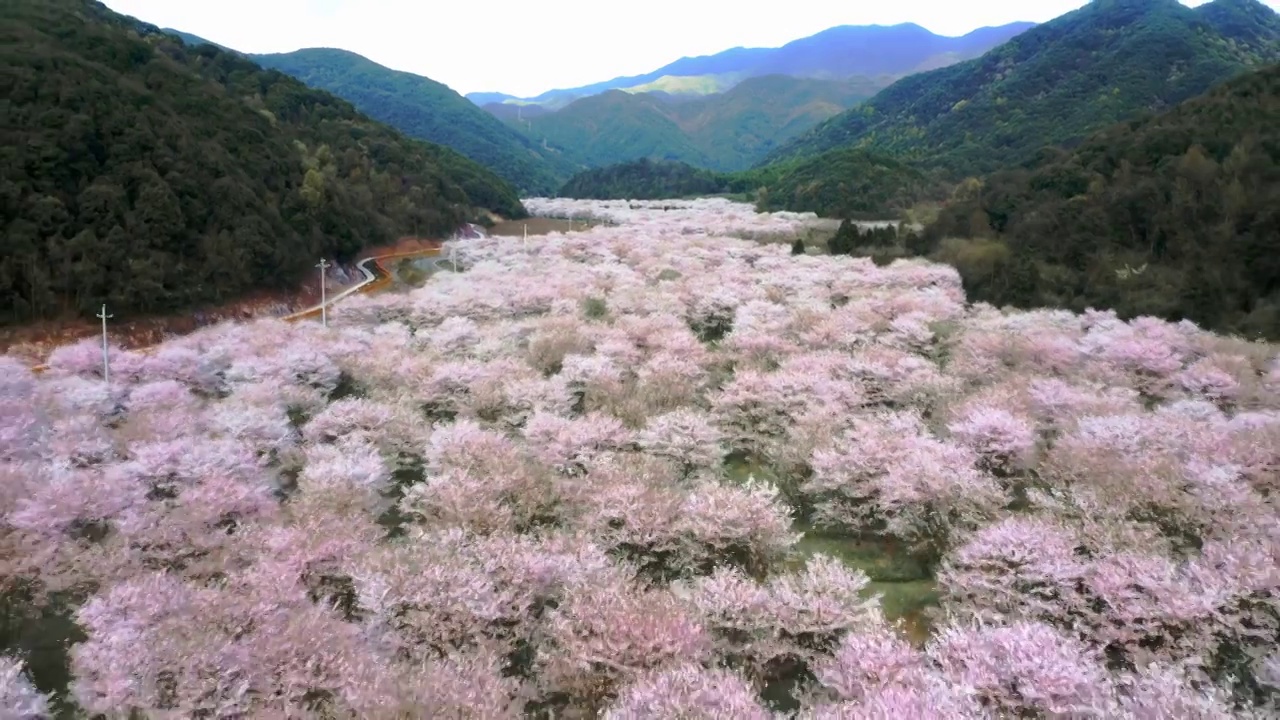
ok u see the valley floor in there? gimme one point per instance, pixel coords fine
(661, 467)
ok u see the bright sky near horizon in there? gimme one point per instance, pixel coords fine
(524, 48)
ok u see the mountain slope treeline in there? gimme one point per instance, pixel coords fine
(1054, 84)
(646, 179)
(152, 176)
(423, 108)
(1175, 216)
(842, 183)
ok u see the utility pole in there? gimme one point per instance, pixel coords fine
(106, 363)
(324, 311)
(526, 236)
(453, 256)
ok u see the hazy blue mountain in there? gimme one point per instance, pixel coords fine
(846, 51)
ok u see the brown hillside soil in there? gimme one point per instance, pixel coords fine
(34, 341)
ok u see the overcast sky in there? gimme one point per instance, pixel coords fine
(524, 47)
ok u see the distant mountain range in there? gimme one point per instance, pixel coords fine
(949, 106)
(876, 52)
(724, 131)
(1109, 61)
(726, 111)
(723, 111)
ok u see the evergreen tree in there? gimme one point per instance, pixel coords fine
(845, 240)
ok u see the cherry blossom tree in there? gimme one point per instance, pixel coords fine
(518, 491)
(889, 474)
(687, 437)
(792, 619)
(18, 698)
(688, 691)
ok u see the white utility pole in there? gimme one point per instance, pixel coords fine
(324, 311)
(526, 236)
(106, 363)
(453, 256)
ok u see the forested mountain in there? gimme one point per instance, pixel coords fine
(736, 128)
(873, 52)
(646, 179)
(842, 183)
(1176, 216)
(727, 131)
(150, 175)
(616, 126)
(1106, 62)
(425, 109)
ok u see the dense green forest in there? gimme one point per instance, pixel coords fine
(1176, 216)
(842, 183)
(152, 176)
(1054, 84)
(646, 179)
(423, 108)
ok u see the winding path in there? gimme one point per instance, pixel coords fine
(376, 276)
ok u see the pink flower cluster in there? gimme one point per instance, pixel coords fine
(566, 482)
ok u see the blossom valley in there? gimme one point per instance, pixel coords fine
(655, 468)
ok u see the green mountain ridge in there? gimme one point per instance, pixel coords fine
(1175, 215)
(1054, 84)
(153, 176)
(428, 110)
(725, 132)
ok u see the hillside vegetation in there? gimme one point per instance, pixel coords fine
(1176, 216)
(841, 183)
(645, 179)
(1104, 63)
(616, 126)
(870, 53)
(727, 131)
(151, 176)
(428, 110)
